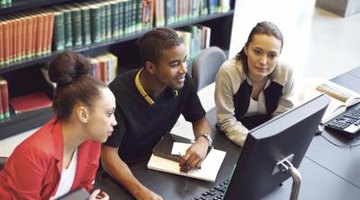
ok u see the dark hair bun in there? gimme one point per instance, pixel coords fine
(68, 66)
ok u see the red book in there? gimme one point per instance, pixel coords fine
(30, 102)
(4, 98)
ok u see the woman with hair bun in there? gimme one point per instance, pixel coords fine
(63, 155)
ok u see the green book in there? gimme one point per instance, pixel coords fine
(102, 21)
(59, 32)
(170, 12)
(95, 23)
(139, 15)
(76, 23)
(86, 24)
(108, 22)
(127, 17)
(204, 7)
(121, 17)
(114, 19)
(67, 28)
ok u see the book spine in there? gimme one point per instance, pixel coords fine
(114, 19)
(102, 20)
(23, 37)
(5, 98)
(50, 33)
(45, 35)
(138, 15)
(121, 5)
(169, 11)
(40, 34)
(95, 24)
(34, 33)
(86, 24)
(17, 39)
(108, 22)
(76, 26)
(127, 17)
(28, 36)
(59, 32)
(67, 28)
(6, 39)
(12, 47)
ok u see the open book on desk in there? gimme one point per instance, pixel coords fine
(341, 99)
(166, 160)
(208, 171)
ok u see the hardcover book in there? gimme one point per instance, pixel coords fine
(30, 102)
(341, 98)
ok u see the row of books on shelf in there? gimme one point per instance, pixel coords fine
(31, 33)
(195, 38)
(103, 67)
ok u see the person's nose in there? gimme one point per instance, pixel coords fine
(183, 67)
(263, 59)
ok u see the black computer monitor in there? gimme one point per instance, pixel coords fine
(286, 136)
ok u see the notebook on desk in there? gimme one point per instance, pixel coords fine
(208, 172)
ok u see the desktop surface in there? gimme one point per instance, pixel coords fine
(328, 171)
(317, 182)
(334, 153)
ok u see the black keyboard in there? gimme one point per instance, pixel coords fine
(216, 193)
(346, 124)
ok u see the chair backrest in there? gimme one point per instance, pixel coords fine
(2, 162)
(206, 65)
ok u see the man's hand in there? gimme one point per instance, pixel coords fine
(194, 155)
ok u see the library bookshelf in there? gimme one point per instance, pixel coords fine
(24, 76)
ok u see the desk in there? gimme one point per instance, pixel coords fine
(328, 172)
(344, 162)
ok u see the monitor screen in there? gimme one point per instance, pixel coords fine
(288, 134)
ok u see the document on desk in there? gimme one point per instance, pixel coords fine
(209, 168)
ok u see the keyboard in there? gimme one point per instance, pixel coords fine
(216, 193)
(346, 124)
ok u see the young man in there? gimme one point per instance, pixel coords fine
(149, 101)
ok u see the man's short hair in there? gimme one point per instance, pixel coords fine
(155, 41)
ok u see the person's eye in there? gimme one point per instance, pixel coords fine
(110, 113)
(174, 64)
(257, 51)
(273, 55)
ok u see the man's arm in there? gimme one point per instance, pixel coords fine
(119, 170)
(197, 152)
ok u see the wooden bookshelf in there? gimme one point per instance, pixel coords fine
(124, 47)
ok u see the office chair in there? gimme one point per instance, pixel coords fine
(206, 65)
(2, 162)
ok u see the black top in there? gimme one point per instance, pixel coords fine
(141, 125)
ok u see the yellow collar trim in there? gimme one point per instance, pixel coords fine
(141, 89)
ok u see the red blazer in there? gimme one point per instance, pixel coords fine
(33, 170)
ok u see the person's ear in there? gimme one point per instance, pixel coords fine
(150, 67)
(246, 50)
(82, 114)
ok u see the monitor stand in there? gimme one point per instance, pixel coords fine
(286, 166)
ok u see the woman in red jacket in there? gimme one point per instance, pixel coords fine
(63, 155)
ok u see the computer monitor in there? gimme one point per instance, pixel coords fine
(285, 137)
